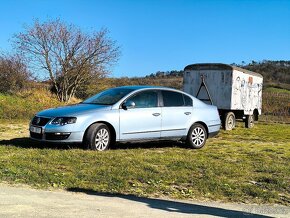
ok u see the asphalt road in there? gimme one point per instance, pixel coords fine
(27, 202)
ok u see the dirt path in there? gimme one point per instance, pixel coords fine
(27, 202)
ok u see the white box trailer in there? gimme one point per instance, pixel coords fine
(235, 91)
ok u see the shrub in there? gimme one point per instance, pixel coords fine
(13, 74)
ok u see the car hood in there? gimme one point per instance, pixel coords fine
(72, 110)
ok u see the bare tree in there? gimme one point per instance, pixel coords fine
(69, 56)
(13, 73)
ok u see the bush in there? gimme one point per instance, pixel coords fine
(13, 74)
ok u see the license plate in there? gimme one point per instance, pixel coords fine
(35, 129)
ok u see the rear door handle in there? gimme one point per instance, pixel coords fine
(187, 113)
(156, 114)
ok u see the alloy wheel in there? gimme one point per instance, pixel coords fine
(198, 136)
(102, 139)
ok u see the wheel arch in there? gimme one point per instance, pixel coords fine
(112, 129)
(204, 125)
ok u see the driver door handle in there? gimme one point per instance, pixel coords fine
(156, 114)
(187, 113)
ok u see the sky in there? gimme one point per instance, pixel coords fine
(164, 35)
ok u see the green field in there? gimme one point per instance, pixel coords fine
(243, 165)
(25, 104)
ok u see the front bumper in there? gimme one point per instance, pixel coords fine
(59, 137)
(54, 133)
(42, 130)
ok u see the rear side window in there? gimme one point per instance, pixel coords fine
(172, 99)
(187, 101)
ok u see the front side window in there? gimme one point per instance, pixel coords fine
(145, 99)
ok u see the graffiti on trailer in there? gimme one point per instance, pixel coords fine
(246, 95)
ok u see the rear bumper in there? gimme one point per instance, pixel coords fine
(213, 134)
(214, 129)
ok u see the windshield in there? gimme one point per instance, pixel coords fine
(108, 97)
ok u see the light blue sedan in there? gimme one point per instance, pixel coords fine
(127, 114)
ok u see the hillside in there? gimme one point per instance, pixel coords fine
(23, 105)
(275, 73)
(105, 83)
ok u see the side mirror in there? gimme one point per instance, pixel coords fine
(128, 105)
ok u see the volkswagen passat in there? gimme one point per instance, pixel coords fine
(129, 113)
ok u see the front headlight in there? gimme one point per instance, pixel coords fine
(63, 120)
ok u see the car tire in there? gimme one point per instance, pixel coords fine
(249, 121)
(229, 121)
(98, 137)
(196, 136)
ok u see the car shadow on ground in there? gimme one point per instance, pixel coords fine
(172, 206)
(25, 142)
(156, 144)
(28, 143)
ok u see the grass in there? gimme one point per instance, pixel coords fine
(276, 90)
(243, 165)
(276, 105)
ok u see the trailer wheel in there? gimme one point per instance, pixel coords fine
(229, 121)
(249, 122)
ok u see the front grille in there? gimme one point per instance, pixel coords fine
(40, 121)
(35, 135)
(54, 136)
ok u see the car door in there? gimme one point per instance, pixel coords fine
(176, 114)
(142, 121)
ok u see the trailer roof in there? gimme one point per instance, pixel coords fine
(219, 66)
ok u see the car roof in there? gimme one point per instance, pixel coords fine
(137, 87)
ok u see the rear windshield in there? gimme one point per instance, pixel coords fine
(108, 97)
